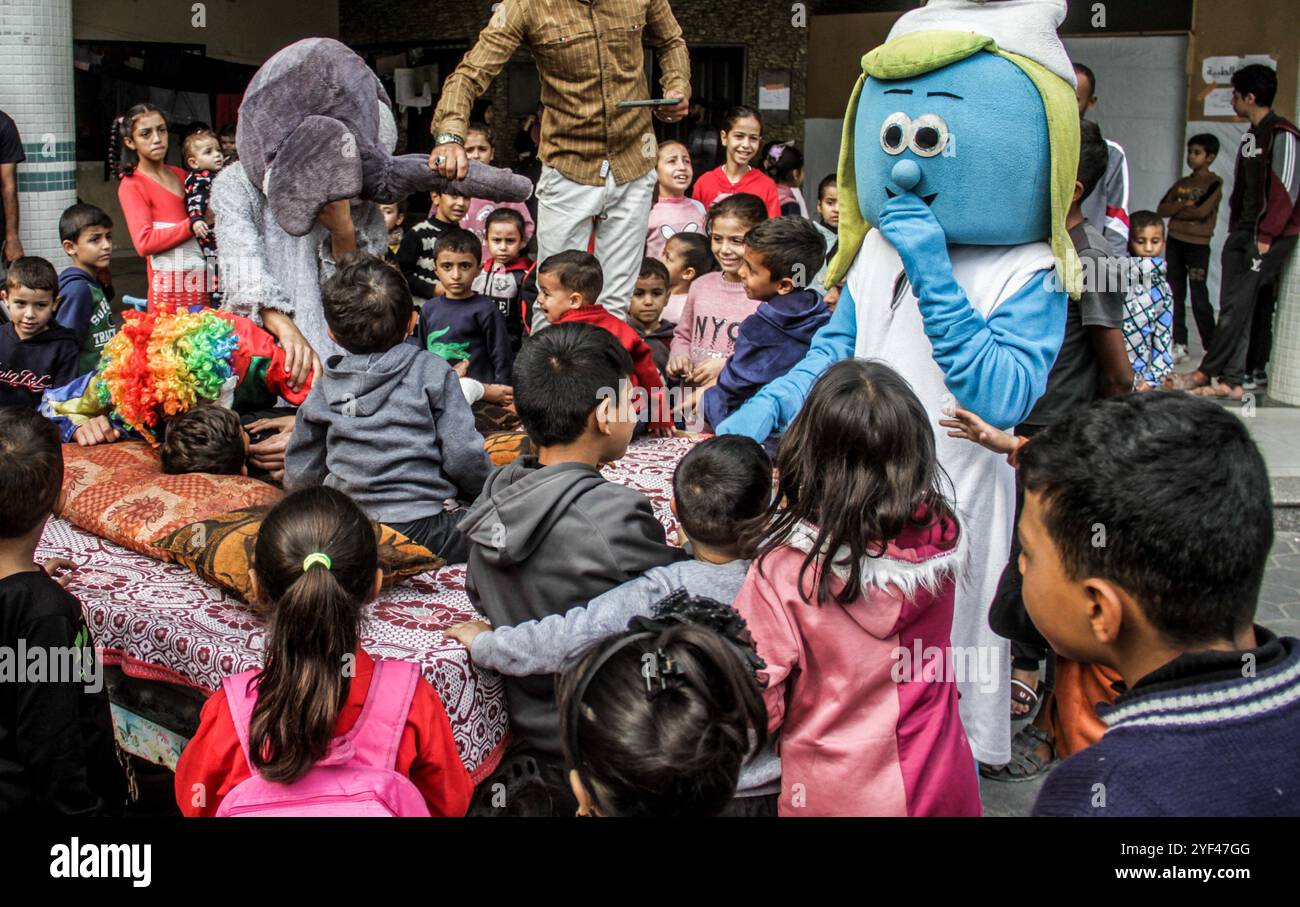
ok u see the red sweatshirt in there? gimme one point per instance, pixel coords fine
(644, 373)
(161, 233)
(715, 186)
(427, 753)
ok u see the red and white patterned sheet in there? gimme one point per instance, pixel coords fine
(159, 621)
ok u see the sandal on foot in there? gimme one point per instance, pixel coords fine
(1026, 695)
(1025, 764)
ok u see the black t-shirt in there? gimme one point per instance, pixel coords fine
(1075, 379)
(11, 152)
(57, 755)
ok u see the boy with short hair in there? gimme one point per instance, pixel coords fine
(549, 531)
(645, 312)
(36, 353)
(1148, 321)
(208, 438)
(719, 488)
(1192, 207)
(84, 303)
(415, 255)
(1263, 228)
(568, 285)
(779, 255)
(506, 272)
(1209, 720)
(57, 753)
(394, 213)
(386, 422)
(460, 324)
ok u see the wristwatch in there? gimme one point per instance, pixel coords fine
(443, 138)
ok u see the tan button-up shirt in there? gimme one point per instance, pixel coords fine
(589, 57)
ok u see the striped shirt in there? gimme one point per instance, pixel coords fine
(589, 57)
(1211, 733)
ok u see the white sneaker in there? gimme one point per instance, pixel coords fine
(1180, 353)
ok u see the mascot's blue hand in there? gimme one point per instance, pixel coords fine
(912, 229)
(756, 419)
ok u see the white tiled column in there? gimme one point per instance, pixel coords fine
(36, 90)
(1284, 368)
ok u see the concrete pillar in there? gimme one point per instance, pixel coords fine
(1284, 367)
(36, 90)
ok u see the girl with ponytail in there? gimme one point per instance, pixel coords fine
(152, 196)
(658, 720)
(267, 736)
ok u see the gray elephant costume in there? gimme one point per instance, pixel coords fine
(315, 127)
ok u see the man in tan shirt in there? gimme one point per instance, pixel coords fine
(598, 172)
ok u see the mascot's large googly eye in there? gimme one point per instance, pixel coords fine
(894, 133)
(929, 135)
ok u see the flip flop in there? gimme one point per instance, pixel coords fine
(1022, 693)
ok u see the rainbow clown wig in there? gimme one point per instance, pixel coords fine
(156, 366)
(159, 365)
(162, 364)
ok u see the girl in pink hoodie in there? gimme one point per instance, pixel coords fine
(850, 603)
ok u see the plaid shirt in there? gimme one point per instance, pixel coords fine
(589, 57)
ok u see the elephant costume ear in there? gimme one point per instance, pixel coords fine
(319, 163)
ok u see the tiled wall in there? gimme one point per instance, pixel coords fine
(36, 90)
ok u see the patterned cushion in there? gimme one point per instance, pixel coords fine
(118, 492)
(220, 549)
(506, 446)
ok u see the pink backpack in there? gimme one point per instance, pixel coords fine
(358, 775)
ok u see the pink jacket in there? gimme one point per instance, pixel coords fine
(869, 727)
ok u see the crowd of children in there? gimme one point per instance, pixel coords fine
(751, 670)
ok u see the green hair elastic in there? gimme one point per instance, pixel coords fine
(316, 557)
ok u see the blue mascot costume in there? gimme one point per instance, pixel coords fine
(960, 148)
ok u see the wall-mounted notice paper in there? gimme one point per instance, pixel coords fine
(1218, 103)
(774, 97)
(1219, 70)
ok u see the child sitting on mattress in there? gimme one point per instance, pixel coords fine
(166, 378)
(57, 756)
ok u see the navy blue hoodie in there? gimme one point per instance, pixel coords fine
(769, 343)
(28, 368)
(84, 308)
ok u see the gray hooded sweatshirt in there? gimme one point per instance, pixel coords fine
(393, 431)
(543, 540)
(538, 646)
